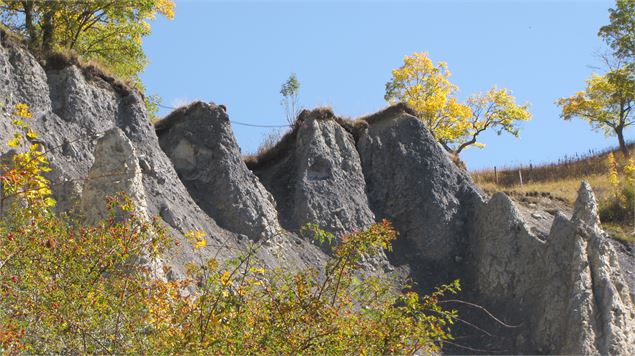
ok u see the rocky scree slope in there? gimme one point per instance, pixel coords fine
(561, 291)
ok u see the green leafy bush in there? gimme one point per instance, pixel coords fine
(620, 208)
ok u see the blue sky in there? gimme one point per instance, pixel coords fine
(239, 53)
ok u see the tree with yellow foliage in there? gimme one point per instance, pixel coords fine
(607, 104)
(495, 110)
(629, 171)
(108, 31)
(426, 88)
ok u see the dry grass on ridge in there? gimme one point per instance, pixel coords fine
(562, 179)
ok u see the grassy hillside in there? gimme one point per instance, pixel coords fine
(562, 180)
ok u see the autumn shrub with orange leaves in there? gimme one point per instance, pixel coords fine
(70, 288)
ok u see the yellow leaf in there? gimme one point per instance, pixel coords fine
(31, 135)
(197, 238)
(225, 278)
(257, 270)
(22, 110)
(50, 202)
(14, 142)
(200, 243)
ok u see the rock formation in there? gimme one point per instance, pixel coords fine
(560, 291)
(422, 192)
(73, 105)
(318, 177)
(114, 173)
(566, 291)
(202, 147)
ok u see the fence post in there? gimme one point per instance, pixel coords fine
(530, 176)
(495, 175)
(520, 175)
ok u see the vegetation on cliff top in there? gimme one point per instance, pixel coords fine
(609, 173)
(106, 31)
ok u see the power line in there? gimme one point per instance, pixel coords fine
(233, 122)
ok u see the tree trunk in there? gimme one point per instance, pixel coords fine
(620, 138)
(48, 31)
(28, 22)
(446, 147)
(464, 145)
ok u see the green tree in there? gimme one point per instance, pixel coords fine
(426, 88)
(107, 31)
(289, 90)
(619, 34)
(607, 103)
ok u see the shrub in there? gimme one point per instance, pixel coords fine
(620, 208)
(241, 308)
(66, 287)
(270, 139)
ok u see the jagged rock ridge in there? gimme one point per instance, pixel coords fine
(562, 294)
(573, 299)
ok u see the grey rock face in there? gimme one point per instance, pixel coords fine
(422, 191)
(566, 292)
(21, 76)
(330, 189)
(412, 182)
(317, 177)
(500, 236)
(115, 170)
(202, 147)
(585, 210)
(71, 110)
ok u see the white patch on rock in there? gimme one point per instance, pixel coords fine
(116, 170)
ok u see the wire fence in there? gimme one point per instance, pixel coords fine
(575, 166)
(232, 121)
